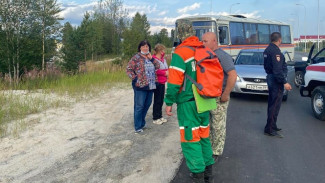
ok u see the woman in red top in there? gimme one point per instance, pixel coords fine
(159, 92)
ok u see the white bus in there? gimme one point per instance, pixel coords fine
(236, 32)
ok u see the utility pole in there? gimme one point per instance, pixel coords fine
(231, 7)
(318, 27)
(304, 26)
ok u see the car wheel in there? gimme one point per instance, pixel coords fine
(317, 102)
(299, 78)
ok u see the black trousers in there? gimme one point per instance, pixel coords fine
(158, 101)
(274, 103)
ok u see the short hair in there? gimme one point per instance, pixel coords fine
(275, 36)
(159, 47)
(142, 43)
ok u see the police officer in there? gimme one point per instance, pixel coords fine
(276, 69)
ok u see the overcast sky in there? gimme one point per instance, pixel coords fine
(162, 14)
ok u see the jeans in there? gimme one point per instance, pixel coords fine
(158, 101)
(142, 102)
(274, 103)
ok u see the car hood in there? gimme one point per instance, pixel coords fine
(250, 71)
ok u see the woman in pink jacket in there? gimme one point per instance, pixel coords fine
(159, 92)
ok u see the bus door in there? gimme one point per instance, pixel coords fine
(223, 37)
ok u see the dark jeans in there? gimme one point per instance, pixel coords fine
(158, 101)
(274, 103)
(142, 102)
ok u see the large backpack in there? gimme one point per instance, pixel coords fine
(209, 73)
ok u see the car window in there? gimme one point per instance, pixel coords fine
(250, 58)
(287, 57)
(320, 57)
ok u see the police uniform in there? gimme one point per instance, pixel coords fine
(276, 69)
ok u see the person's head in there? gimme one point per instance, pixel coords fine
(184, 29)
(159, 49)
(209, 40)
(144, 47)
(276, 38)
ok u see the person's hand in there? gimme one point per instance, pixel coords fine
(287, 86)
(149, 56)
(169, 110)
(167, 73)
(224, 97)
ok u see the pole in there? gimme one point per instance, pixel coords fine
(231, 7)
(304, 26)
(318, 27)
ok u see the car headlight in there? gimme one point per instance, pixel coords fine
(238, 79)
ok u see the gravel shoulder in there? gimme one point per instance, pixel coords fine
(92, 141)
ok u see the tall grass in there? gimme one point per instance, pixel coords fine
(36, 95)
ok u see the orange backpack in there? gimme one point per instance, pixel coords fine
(209, 73)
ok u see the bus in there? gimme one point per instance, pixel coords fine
(236, 32)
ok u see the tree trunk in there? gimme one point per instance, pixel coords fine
(43, 39)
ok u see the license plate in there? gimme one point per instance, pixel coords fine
(257, 87)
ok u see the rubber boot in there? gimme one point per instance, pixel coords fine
(198, 177)
(208, 178)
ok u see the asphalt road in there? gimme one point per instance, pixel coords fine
(251, 157)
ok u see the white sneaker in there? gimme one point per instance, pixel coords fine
(163, 120)
(158, 122)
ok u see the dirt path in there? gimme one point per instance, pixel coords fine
(92, 141)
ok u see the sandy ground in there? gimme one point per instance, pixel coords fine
(92, 141)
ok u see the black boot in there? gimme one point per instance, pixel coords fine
(197, 177)
(208, 178)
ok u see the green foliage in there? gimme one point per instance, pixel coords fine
(28, 31)
(137, 32)
(162, 38)
(72, 50)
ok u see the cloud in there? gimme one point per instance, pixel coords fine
(168, 21)
(189, 8)
(157, 29)
(162, 13)
(74, 12)
(142, 9)
(253, 14)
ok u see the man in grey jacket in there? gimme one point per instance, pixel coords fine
(218, 116)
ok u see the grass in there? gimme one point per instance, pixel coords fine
(34, 96)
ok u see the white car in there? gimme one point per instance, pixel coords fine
(315, 88)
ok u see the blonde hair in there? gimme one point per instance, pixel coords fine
(158, 47)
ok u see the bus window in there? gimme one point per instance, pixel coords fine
(250, 33)
(202, 27)
(237, 33)
(285, 33)
(263, 33)
(274, 28)
(223, 35)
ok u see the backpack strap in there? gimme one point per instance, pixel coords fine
(193, 49)
(198, 85)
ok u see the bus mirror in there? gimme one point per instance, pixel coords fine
(304, 59)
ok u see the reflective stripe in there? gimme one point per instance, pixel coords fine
(204, 126)
(189, 59)
(177, 68)
(194, 128)
(197, 133)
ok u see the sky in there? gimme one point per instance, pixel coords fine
(163, 14)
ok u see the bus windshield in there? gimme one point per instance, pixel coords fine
(202, 27)
(197, 28)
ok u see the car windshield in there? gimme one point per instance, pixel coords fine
(250, 58)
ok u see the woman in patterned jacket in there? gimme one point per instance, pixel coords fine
(142, 70)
